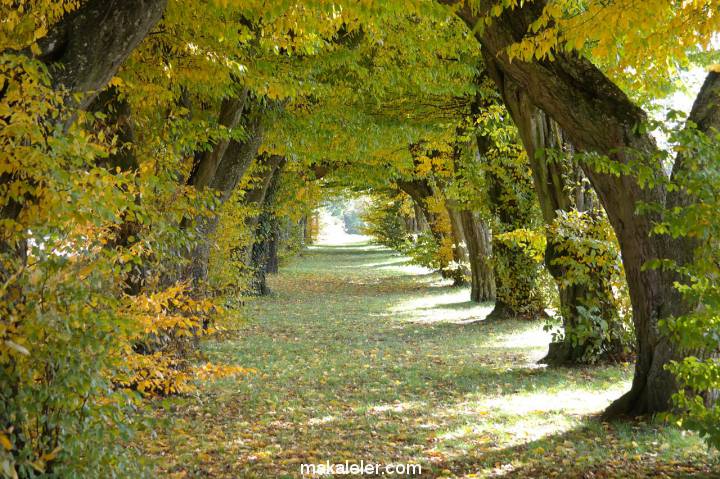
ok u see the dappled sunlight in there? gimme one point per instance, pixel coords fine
(397, 407)
(398, 260)
(530, 338)
(348, 248)
(452, 306)
(357, 360)
(517, 418)
(566, 400)
(405, 268)
(321, 420)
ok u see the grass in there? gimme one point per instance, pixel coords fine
(360, 356)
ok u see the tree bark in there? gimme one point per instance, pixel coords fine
(86, 47)
(598, 117)
(263, 228)
(421, 222)
(420, 191)
(541, 135)
(273, 262)
(118, 117)
(83, 51)
(460, 252)
(236, 159)
(259, 191)
(207, 162)
(479, 244)
(517, 293)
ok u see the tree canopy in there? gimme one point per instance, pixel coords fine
(160, 158)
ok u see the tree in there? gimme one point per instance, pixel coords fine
(599, 118)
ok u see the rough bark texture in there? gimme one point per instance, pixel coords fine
(256, 195)
(86, 47)
(477, 237)
(235, 161)
(540, 134)
(207, 162)
(83, 51)
(264, 226)
(479, 244)
(598, 117)
(273, 262)
(460, 252)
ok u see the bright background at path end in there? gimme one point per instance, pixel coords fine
(333, 233)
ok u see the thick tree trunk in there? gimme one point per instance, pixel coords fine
(273, 262)
(235, 161)
(118, 118)
(264, 227)
(460, 252)
(207, 162)
(420, 220)
(256, 195)
(540, 136)
(479, 244)
(83, 51)
(420, 191)
(86, 47)
(598, 117)
(517, 293)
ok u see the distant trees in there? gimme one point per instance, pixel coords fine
(159, 158)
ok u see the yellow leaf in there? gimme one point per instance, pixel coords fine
(49, 456)
(5, 441)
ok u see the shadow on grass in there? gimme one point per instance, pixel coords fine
(346, 371)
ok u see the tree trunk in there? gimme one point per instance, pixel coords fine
(118, 118)
(207, 162)
(517, 292)
(256, 195)
(235, 161)
(87, 46)
(114, 28)
(420, 191)
(541, 136)
(460, 253)
(273, 263)
(479, 244)
(82, 52)
(420, 220)
(598, 117)
(264, 228)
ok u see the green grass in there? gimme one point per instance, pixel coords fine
(360, 356)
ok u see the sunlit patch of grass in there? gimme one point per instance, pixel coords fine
(450, 305)
(383, 364)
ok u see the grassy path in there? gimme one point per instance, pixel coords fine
(362, 357)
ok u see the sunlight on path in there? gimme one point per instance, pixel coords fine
(332, 231)
(360, 356)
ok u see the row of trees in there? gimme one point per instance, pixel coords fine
(156, 157)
